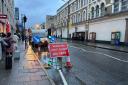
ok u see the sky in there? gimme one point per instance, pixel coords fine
(36, 10)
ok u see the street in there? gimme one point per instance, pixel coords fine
(94, 66)
(64, 42)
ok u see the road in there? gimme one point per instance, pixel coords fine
(94, 66)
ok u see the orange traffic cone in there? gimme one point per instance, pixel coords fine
(68, 63)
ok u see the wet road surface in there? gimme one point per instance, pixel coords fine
(94, 66)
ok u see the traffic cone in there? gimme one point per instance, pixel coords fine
(68, 63)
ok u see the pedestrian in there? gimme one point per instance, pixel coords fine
(30, 39)
(3, 45)
(26, 41)
(19, 35)
(15, 38)
(9, 51)
(22, 38)
(46, 46)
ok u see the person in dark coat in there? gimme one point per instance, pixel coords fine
(3, 45)
(9, 51)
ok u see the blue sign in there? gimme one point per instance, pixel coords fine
(36, 39)
(52, 39)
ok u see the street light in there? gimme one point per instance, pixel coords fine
(68, 20)
(87, 28)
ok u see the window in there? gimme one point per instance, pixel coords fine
(84, 2)
(116, 6)
(102, 9)
(92, 12)
(73, 19)
(97, 11)
(84, 16)
(79, 17)
(73, 7)
(124, 6)
(77, 5)
(70, 8)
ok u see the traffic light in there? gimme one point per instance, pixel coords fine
(49, 32)
(25, 19)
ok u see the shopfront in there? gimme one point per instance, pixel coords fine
(78, 36)
(2, 27)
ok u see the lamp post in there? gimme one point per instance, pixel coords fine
(24, 20)
(87, 29)
(61, 30)
(68, 20)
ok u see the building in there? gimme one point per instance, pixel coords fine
(43, 26)
(17, 19)
(17, 13)
(51, 23)
(7, 8)
(94, 20)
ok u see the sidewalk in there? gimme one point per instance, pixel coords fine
(26, 71)
(103, 46)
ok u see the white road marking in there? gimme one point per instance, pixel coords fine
(63, 78)
(100, 54)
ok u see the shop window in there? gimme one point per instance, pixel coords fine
(116, 6)
(124, 6)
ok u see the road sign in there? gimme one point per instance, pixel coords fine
(3, 16)
(58, 50)
(52, 39)
(36, 39)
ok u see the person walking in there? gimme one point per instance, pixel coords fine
(15, 38)
(9, 51)
(3, 45)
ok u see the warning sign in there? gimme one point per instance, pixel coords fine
(58, 50)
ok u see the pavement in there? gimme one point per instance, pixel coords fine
(119, 48)
(26, 71)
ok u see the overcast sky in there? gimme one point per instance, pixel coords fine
(36, 10)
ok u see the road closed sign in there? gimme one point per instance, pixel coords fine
(58, 50)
